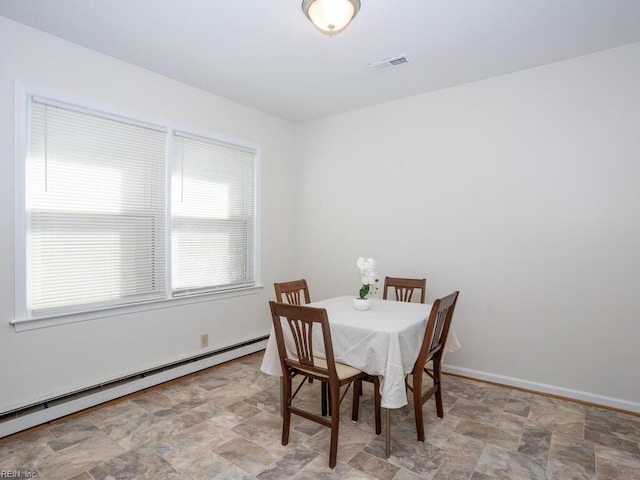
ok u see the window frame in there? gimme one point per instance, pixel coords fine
(22, 121)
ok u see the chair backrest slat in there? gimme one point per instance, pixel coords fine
(302, 332)
(404, 288)
(294, 291)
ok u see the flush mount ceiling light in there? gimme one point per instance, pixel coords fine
(330, 16)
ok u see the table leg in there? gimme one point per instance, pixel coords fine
(387, 419)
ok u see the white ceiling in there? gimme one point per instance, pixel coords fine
(266, 54)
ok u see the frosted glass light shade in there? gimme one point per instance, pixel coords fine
(330, 16)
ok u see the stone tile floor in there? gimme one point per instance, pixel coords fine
(224, 423)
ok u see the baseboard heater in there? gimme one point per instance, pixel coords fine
(54, 408)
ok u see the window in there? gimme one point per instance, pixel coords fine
(212, 217)
(115, 212)
(96, 211)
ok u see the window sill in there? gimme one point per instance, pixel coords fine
(23, 325)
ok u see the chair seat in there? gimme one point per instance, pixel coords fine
(344, 371)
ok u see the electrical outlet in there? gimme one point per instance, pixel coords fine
(204, 340)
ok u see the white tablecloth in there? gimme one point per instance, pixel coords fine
(383, 341)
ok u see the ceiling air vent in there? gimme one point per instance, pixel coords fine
(389, 63)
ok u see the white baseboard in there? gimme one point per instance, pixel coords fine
(578, 395)
(20, 423)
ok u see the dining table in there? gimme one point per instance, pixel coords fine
(384, 340)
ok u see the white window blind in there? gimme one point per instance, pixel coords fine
(96, 214)
(213, 215)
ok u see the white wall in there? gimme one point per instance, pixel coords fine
(519, 190)
(522, 192)
(39, 364)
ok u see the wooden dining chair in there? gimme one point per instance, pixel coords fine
(299, 322)
(404, 288)
(432, 350)
(294, 291)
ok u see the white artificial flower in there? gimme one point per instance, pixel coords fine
(365, 264)
(368, 276)
(368, 279)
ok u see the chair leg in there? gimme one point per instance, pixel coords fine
(335, 424)
(438, 392)
(357, 391)
(325, 403)
(417, 405)
(324, 394)
(286, 404)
